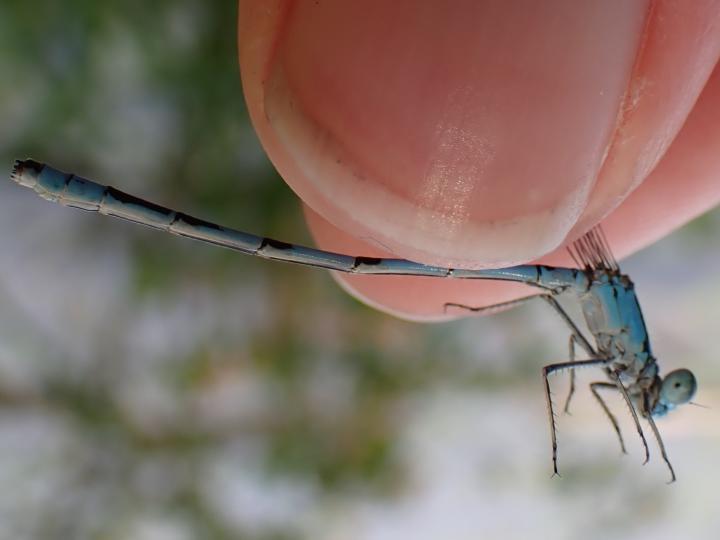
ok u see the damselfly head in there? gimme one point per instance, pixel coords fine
(678, 387)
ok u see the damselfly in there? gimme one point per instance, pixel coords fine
(607, 297)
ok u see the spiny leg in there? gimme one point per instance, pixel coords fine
(593, 388)
(547, 370)
(619, 385)
(571, 391)
(494, 308)
(651, 421)
(575, 337)
(580, 339)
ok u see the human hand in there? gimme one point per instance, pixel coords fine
(479, 133)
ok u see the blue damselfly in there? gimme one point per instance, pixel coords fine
(606, 296)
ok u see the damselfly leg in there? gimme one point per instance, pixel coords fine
(594, 386)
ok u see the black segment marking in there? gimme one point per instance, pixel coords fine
(277, 244)
(32, 164)
(369, 261)
(125, 198)
(195, 222)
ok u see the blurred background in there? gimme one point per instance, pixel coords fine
(156, 388)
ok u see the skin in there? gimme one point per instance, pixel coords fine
(486, 133)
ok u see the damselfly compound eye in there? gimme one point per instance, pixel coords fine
(678, 387)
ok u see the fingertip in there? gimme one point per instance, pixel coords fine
(473, 147)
